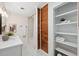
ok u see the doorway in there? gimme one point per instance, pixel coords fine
(43, 28)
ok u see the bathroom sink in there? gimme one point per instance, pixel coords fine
(10, 42)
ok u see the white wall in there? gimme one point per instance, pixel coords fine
(51, 43)
(78, 28)
(31, 27)
(24, 27)
(21, 24)
(32, 33)
(36, 29)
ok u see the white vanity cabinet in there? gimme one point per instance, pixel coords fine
(12, 47)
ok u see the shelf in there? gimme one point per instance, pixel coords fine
(67, 23)
(66, 13)
(66, 29)
(68, 44)
(65, 52)
(66, 33)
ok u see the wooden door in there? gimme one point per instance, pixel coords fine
(39, 28)
(44, 28)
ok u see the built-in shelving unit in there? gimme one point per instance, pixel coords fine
(69, 44)
(67, 13)
(66, 25)
(65, 52)
(65, 33)
(70, 23)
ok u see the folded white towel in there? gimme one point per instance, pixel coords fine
(59, 39)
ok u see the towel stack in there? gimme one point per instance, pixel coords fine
(59, 39)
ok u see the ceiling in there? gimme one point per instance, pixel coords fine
(29, 7)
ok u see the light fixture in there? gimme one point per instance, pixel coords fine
(3, 12)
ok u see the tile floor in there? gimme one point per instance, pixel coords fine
(27, 50)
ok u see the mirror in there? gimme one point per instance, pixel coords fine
(4, 24)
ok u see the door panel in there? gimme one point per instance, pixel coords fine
(39, 27)
(44, 28)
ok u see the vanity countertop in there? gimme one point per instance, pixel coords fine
(15, 41)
